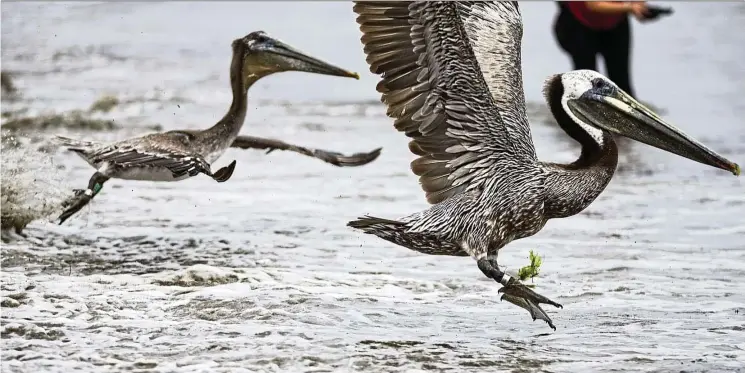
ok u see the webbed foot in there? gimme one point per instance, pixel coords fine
(82, 197)
(73, 205)
(222, 175)
(516, 292)
(524, 297)
(71, 200)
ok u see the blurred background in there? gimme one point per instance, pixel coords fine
(261, 274)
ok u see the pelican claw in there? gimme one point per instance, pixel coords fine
(524, 297)
(536, 312)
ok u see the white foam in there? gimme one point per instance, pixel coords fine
(33, 188)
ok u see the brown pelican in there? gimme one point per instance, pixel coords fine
(180, 154)
(451, 79)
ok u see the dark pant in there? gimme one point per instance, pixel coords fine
(583, 44)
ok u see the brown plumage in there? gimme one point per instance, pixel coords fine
(180, 154)
(451, 80)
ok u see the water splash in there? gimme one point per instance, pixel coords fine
(33, 188)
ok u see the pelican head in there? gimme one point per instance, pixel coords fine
(263, 55)
(596, 103)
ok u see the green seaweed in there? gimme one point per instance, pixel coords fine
(104, 104)
(18, 120)
(9, 90)
(6, 81)
(531, 270)
(74, 119)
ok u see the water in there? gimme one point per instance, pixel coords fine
(33, 188)
(261, 274)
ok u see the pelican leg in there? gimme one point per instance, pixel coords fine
(517, 293)
(82, 197)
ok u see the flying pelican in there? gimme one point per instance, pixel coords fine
(451, 79)
(180, 154)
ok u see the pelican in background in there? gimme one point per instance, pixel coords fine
(451, 79)
(181, 154)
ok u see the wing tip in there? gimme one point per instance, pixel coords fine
(358, 159)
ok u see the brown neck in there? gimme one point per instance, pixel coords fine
(240, 82)
(570, 188)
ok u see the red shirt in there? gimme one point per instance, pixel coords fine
(593, 20)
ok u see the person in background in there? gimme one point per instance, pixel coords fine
(585, 29)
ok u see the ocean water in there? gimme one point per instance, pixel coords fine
(261, 274)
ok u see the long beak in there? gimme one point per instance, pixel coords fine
(299, 61)
(627, 117)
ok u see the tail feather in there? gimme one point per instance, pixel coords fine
(368, 221)
(75, 145)
(397, 232)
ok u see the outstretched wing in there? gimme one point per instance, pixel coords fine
(495, 31)
(334, 158)
(434, 88)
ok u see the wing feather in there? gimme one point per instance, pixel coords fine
(495, 30)
(166, 150)
(435, 90)
(334, 158)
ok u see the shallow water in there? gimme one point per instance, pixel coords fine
(261, 274)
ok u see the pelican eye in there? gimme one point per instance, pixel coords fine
(259, 37)
(603, 87)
